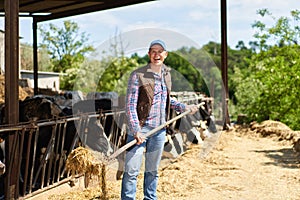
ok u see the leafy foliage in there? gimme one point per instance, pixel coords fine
(187, 78)
(116, 74)
(67, 48)
(271, 91)
(86, 77)
(26, 56)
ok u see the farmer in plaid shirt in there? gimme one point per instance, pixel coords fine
(148, 104)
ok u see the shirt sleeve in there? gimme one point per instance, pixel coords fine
(178, 106)
(131, 104)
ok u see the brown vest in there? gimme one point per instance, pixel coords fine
(146, 91)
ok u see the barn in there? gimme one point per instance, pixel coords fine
(40, 11)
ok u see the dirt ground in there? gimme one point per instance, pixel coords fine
(247, 163)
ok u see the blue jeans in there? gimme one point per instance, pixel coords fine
(154, 147)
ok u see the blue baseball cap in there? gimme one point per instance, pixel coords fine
(161, 43)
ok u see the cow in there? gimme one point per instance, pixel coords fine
(97, 137)
(112, 123)
(2, 167)
(99, 134)
(2, 159)
(49, 147)
(33, 110)
(2, 156)
(42, 149)
(188, 129)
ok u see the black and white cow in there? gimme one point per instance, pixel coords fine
(2, 156)
(188, 129)
(47, 142)
(112, 123)
(97, 137)
(2, 167)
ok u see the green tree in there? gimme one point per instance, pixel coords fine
(86, 78)
(271, 90)
(141, 60)
(67, 48)
(116, 74)
(26, 56)
(185, 76)
(44, 62)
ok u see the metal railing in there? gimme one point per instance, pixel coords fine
(45, 145)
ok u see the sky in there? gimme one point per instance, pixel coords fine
(192, 22)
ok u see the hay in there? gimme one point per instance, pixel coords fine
(270, 127)
(83, 161)
(222, 174)
(23, 92)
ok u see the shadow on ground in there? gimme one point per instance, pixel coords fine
(285, 157)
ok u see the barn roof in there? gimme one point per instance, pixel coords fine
(55, 9)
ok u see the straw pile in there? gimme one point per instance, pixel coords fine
(82, 161)
(274, 128)
(23, 92)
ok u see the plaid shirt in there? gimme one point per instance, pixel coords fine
(157, 115)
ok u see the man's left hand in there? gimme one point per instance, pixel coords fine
(192, 108)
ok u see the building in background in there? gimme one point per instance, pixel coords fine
(46, 80)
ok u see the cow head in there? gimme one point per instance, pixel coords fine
(2, 168)
(2, 156)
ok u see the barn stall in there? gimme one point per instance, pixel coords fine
(46, 136)
(41, 11)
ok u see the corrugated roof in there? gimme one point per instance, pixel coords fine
(44, 10)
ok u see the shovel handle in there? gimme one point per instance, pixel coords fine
(133, 142)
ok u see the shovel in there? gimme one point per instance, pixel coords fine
(133, 142)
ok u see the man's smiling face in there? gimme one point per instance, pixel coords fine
(157, 54)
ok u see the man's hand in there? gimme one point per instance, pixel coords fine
(139, 138)
(193, 108)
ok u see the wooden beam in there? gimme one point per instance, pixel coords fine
(11, 96)
(35, 57)
(12, 61)
(224, 64)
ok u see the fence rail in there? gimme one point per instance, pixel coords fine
(44, 147)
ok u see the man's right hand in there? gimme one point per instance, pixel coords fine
(139, 138)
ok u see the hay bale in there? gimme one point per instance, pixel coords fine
(83, 161)
(270, 127)
(80, 160)
(275, 128)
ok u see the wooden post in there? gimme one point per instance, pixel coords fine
(11, 95)
(224, 65)
(35, 57)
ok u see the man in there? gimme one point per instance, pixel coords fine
(147, 106)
